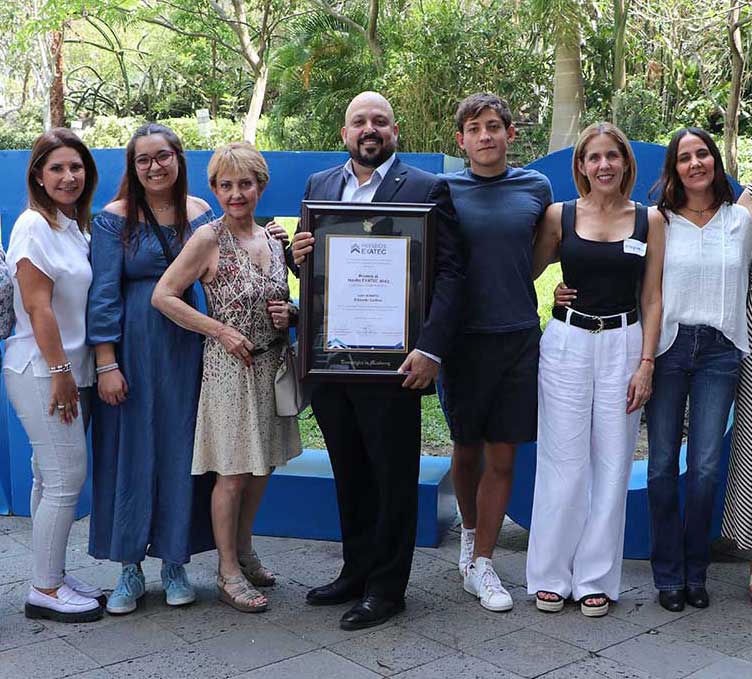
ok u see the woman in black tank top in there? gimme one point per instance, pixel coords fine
(595, 373)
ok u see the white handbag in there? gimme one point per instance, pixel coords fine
(290, 394)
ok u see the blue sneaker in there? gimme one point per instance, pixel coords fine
(131, 586)
(178, 591)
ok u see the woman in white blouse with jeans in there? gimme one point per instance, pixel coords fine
(703, 338)
(48, 368)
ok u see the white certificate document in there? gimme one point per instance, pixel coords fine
(366, 299)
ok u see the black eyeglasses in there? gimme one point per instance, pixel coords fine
(163, 159)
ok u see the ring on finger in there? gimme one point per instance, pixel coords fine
(60, 406)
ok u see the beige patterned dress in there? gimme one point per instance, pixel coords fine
(238, 430)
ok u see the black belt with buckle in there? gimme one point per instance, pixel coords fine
(592, 323)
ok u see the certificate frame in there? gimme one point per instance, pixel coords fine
(408, 226)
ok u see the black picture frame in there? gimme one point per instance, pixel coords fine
(370, 222)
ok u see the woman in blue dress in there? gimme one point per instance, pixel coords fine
(148, 378)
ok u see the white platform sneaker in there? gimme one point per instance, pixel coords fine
(482, 581)
(67, 606)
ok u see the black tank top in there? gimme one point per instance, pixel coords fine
(605, 276)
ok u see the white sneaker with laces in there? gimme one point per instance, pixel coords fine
(467, 545)
(482, 581)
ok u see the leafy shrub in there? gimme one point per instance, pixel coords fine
(18, 130)
(111, 132)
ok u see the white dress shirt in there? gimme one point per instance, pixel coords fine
(364, 193)
(62, 255)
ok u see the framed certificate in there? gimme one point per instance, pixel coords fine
(365, 288)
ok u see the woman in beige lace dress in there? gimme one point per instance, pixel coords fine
(238, 432)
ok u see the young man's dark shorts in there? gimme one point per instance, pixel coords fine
(490, 387)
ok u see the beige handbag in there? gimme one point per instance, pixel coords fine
(291, 396)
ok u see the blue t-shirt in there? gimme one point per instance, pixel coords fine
(498, 216)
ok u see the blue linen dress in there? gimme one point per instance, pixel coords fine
(145, 500)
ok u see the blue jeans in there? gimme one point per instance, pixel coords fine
(703, 365)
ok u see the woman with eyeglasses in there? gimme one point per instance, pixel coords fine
(145, 501)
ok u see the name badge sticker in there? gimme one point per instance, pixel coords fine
(633, 246)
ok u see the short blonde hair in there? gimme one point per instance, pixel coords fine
(239, 157)
(630, 172)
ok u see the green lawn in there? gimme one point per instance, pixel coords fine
(434, 430)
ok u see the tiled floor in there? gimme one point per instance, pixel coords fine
(443, 632)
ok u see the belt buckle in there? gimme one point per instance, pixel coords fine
(601, 325)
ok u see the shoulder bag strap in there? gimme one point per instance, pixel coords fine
(157, 229)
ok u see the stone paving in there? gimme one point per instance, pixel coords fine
(443, 632)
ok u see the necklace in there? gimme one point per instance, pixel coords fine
(163, 208)
(699, 213)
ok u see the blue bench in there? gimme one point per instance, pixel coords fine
(301, 500)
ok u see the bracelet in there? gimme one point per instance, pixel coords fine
(648, 360)
(62, 368)
(107, 368)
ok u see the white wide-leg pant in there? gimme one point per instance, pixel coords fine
(586, 444)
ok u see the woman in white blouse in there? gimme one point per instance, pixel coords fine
(48, 368)
(703, 338)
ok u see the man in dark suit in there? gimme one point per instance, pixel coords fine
(372, 431)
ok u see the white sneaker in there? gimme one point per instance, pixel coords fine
(67, 606)
(482, 581)
(467, 545)
(84, 589)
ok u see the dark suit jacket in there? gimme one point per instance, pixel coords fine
(406, 184)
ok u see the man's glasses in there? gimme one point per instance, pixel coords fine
(163, 159)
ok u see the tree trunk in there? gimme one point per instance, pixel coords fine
(731, 117)
(57, 94)
(214, 106)
(619, 77)
(568, 92)
(250, 124)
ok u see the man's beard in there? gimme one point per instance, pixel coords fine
(374, 159)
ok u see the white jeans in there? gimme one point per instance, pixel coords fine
(586, 444)
(59, 466)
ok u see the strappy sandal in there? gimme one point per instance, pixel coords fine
(236, 592)
(553, 605)
(594, 610)
(254, 571)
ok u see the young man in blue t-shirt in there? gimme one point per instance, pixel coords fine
(490, 379)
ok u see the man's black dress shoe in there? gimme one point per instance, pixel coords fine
(338, 592)
(370, 611)
(698, 597)
(672, 599)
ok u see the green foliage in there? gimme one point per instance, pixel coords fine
(315, 75)
(434, 54)
(20, 129)
(111, 132)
